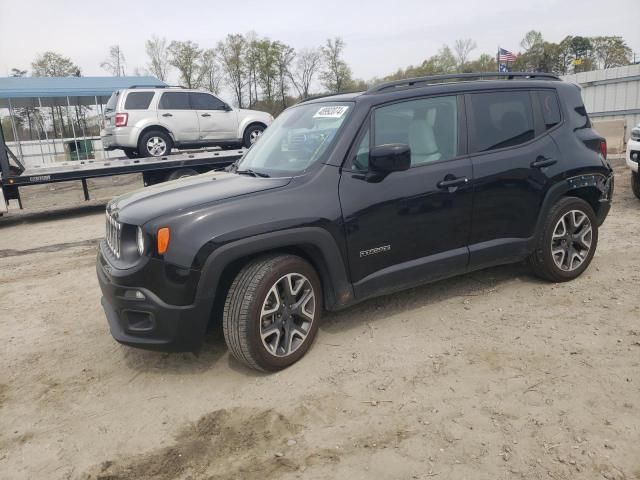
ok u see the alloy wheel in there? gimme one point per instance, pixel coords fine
(156, 146)
(287, 314)
(571, 240)
(254, 135)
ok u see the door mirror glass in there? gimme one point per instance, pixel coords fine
(393, 157)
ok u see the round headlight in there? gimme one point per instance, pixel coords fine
(140, 241)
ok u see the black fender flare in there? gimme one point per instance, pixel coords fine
(590, 180)
(316, 242)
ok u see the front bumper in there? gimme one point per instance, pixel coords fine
(633, 147)
(138, 317)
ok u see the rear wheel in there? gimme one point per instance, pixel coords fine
(635, 183)
(272, 311)
(155, 143)
(252, 134)
(567, 242)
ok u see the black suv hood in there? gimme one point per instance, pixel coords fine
(140, 206)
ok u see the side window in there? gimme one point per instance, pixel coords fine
(138, 100)
(500, 119)
(174, 101)
(550, 108)
(204, 101)
(429, 126)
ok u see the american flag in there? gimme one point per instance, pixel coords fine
(506, 56)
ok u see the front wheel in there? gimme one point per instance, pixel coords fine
(252, 134)
(635, 183)
(568, 241)
(272, 312)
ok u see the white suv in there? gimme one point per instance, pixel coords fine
(149, 122)
(633, 158)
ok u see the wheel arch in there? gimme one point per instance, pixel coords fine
(313, 244)
(150, 128)
(592, 188)
(251, 124)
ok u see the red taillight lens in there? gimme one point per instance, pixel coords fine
(603, 148)
(121, 119)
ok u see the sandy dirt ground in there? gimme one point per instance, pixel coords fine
(491, 375)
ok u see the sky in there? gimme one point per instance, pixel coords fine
(380, 36)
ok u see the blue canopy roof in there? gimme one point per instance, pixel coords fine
(33, 87)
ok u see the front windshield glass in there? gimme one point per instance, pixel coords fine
(298, 138)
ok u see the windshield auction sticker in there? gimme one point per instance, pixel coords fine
(335, 111)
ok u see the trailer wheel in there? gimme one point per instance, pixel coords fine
(155, 143)
(181, 173)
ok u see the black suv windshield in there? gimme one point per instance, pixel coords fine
(297, 139)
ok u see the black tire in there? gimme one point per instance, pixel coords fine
(131, 153)
(250, 132)
(143, 149)
(541, 260)
(180, 173)
(241, 319)
(635, 184)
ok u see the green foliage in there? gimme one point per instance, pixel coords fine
(185, 57)
(336, 76)
(52, 64)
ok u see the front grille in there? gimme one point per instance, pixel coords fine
(113, 235)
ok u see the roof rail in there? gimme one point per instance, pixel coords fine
(155, 86)
(434, 79)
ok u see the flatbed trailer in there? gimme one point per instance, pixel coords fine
(153, 169)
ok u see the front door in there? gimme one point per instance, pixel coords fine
(215, 120)
(413, 226)
(177, 116)
(513, 158)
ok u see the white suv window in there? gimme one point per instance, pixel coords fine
(204, 101)
(174, 101)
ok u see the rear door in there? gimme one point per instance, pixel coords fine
(177, 116)
(215, 121)
(414, 225)
(513, 159)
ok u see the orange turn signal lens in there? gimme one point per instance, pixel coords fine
(163, 240)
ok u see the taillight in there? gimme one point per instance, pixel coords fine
(603, 148)
(121, 119)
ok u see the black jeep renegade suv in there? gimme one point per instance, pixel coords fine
(356, 195)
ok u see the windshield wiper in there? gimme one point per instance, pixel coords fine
(253, 173)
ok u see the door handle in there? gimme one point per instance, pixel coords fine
(167, 115)
(452, 182)
(205, 115)
(542, 162)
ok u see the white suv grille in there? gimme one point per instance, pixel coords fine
(113, 234)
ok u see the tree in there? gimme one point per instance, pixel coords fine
(52, 64)
(231, 52)
(115, 62)
(16, 72)
(210, 72)
(463, 48)
(266, 68)
(336, 76)
(484, 63)
(308, 63)
(284, 56)
(186, 57)
(532, 41)
(158, 57)
(611, 52)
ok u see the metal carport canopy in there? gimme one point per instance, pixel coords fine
(25, 91)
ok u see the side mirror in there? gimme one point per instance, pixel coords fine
(393, 157)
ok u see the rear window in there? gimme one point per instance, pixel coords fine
(550, 108)
(138, 100)
(500, 119)
(174, 101)
(112, 102)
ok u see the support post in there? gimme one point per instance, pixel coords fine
(85, 189)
